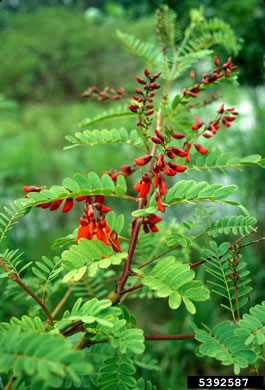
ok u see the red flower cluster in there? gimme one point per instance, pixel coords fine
(108, 93)
(144, 109)
(218, 72)
(126, 170)
(96, 227)
(149, 223)
(68, 204)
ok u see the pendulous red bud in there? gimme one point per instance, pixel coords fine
(178, 135)
(201, 149)
(143, 160)
(159, 202)
(140, 81)
(67, 205)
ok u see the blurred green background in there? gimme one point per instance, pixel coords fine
(51, 51)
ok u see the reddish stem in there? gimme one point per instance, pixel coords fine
(19, 281)
(127, 265)
(132, 289)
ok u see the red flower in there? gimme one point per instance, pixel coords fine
(143, 160)
(68, 205)
(162, 185)
(178, 135)
(201, 149)
(159, 202)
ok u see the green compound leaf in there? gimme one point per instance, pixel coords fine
(223, 344)
(101, 137)
(190, 191)
(252, 326)
(87, 257)
(171, 278)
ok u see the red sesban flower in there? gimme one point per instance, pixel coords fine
(143, 160)
(201, 149)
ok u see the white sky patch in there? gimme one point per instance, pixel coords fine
(247, 116)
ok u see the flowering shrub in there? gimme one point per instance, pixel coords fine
(62, 351)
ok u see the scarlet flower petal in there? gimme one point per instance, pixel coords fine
(201, 149)
(56, 204)
(159, 202)
(162, 185)
(67, 205)
(80, 198)
(143, 160)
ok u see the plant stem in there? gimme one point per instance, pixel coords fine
(62, 301)
(11, 381)
(127, 265)
(167, 251)
(19, 281)
(132, 289)
(172, 337)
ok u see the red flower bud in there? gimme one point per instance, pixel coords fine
(178, 135)
(162, 185)
(197, 126)
(166, 169)
(138, 90)
(149, 107)
(45, 205)
(150, 99)
(213, 129)
(159, 202)
(154, 86)
(103, 209)
(207, 135)
(192, 94)
(126, 169)
(145, 188)
(99, 198)
(221, 109)
(159, 135)
(160, 162)
(56, 204)
(177, 167)
(143, 160)
(147, 73)
(179, 152)
(67, 205)
(149, 112)
(133, 107)
(32, 188)
(140, 81)
(156, 140)
(230, 118)
(170, 153)
(115, 97)
(225, 122)
(201, 149)
(216, 61)
(80, 198)
(192, 75)
(85, 94)
(139, 123)
(137, 186)
(184, 91)
(156, 75)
